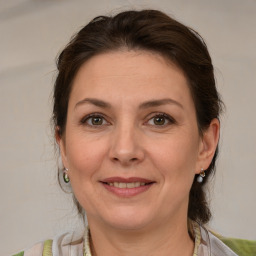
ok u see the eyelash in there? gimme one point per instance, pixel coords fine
(84, 121)
(170, 120)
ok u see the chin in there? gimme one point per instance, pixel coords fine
(128, 220)
(128, 224)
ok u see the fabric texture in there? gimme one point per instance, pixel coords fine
(47, 251)
(19, 254)
(240, 246)
(72, 244)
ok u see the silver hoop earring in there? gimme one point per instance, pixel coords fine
(201, 176)
(65, 175)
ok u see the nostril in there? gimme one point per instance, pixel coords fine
(127, 160)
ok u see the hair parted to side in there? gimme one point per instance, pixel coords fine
(153, 31)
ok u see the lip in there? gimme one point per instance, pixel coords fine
(127, 192)
(126, 180)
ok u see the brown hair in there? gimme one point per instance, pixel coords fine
(153, 31)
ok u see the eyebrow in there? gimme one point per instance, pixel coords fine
(147, 104)
(156, 103)
(96, 102)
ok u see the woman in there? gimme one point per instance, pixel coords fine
(136, 119)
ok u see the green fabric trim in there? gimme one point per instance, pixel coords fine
(47, 248)
(19, 254)
(240, 246)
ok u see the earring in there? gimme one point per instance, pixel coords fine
(65, 175)
(201, 176)
(60, 163)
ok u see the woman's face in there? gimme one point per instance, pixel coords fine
(131, 142)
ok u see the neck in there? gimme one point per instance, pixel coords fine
(161, 240)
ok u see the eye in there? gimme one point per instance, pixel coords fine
(94, 120)
(161, 120)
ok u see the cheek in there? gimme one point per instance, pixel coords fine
(85, 159)
(176, 158)
(85, 156)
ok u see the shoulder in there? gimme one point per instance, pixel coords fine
(242, 247)
(35, 250)
(68, 244)
(219, 245)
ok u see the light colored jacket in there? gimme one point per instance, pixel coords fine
(69, 245)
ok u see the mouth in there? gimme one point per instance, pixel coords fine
(127, 187)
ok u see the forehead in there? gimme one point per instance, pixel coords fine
(128, 62)
(140, 73)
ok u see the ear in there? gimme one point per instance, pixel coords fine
(208, 145)
(60, 139)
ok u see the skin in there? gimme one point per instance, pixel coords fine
(128, 138)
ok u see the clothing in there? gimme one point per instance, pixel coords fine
(69, 244)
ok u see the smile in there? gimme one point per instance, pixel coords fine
(127, 187)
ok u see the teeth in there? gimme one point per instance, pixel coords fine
(122, 185)
(126, 185)
(130, 185)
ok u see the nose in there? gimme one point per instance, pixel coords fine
(126, 145)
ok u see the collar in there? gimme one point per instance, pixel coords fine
(196, 229)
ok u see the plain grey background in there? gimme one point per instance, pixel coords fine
(32, 32)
